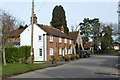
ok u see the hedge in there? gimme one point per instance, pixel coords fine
(11, 54)
(15, 55)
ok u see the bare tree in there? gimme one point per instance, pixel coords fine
(114, 27)
(18, 23)
(8, 23)
(74, 28)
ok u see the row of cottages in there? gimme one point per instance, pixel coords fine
(47, 41)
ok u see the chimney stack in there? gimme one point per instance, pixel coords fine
(62, 29)
(34, 19)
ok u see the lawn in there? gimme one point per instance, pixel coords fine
(0, 71)
(12, 69)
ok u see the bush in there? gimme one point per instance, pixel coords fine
(24, 53)
(72, 57)
(67, 58)
(60, 58)
(77, 56)
(12, 55)
(53, 58)
(15, 55)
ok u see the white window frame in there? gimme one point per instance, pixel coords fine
(60, 51)
(65, 51)
(39, 52)
(60, 40)
(70, 41)
(38, 38)
(65, 40)
(71, 50)
(51, 38)
(51, 51)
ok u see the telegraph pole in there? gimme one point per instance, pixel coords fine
(32, 31)
(118, 21)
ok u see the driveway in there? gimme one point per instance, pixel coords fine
(92, 67)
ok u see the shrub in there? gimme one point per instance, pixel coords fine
(72, 57)
(24, 53)
(77, 56)
(12, 55)
(60, 58)
(66, 58)
(53, 59)
(15, 55)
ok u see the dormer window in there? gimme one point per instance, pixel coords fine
(51, 38)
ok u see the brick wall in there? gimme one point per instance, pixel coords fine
(56, 45)
(13, 39)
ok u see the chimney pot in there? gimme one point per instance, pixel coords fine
(62, 29)
(34, 19)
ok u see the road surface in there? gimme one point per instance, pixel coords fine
(96, 66)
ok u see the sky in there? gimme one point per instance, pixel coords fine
(75, 11)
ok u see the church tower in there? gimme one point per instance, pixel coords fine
(118, 21)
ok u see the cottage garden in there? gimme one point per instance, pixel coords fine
(18, 61)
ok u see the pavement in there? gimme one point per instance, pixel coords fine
(96, 66)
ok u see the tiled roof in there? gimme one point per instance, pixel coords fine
(87, 44)
(50, 30)
(116, 45)
(53, 31)
(74, 35)
(16, 33)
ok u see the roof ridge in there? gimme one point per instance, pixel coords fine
(73, 31)
(51, 27)
(58, 32)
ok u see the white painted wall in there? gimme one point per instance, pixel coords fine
(116, 47)
(79, 40)
(25, 39)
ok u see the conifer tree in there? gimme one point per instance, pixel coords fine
(59, 18)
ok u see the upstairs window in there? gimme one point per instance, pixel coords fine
(40, 38)
(51, 38)
(60, 40)
(65, 40)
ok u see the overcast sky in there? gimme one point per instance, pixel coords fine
(75, 11)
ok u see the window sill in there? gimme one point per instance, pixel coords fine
(51, 41)
(60, 54)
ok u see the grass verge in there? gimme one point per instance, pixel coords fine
(17, 68)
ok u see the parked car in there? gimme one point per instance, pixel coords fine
(84, 54)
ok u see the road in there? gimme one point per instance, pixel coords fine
(96, 66)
